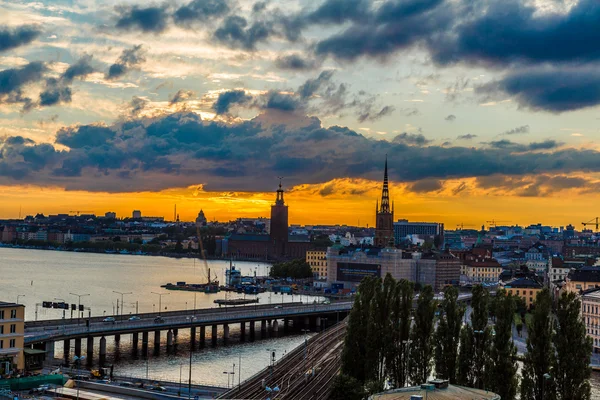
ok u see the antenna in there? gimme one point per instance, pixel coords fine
(175, 213)
(20, 211)
(280, 179)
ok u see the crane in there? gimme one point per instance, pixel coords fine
(593, 221)
(494, 222)
(79, 212)
(201, 247)
(461, 226)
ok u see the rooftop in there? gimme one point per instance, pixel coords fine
(4, 304)
(430, 392)
(524, 283)
(585, 274)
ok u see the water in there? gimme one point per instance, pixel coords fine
(43, 275)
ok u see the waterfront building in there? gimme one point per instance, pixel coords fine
(12, 331)
(526, 288)
(384, 215)
(403, 229)
(590, 312)
(317, 259)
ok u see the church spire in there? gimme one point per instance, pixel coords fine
(385, 194)
(279, 200)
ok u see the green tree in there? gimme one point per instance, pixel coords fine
(447, 335)
(345, 387)
(421, 336)
(571, 370)
(397, 352)
(540, 356)
(502, 364)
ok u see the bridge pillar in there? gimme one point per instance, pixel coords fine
(213, 336)
(175, 333)
(202, 336)
(78, 347)
(286, 325)
(275, 328)
(243, 331)
(306, 322)
(226, 333)
(169, 340)
(193, 337)
(102, 350)
(67, 351)
(263, 329)
(117, 339)
(90, 348)
(49, 347)
(318, 324)
(156, 341)
(252, 330)
(145, 343)
(135, 338)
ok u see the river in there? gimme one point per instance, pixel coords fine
(43, 275)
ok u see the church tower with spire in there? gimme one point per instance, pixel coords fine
(279, 225)
(384, 224)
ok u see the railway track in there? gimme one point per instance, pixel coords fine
(304, 373)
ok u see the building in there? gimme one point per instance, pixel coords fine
(590, 312)
(582, 279)
(317, 259)
(479, 266)
(537, 259)
(137, 214)
(112, 215)
(12, 331)
(404, 228)
(201, 219)
(384, 222)
(278, 244)
(437, 389)
(526, 288)
(559, 269)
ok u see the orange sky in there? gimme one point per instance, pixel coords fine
(343, 201)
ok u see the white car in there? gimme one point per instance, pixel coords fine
(134, 318)
(109, 320)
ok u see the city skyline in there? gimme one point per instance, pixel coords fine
(121, 106)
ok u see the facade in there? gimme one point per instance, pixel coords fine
(590, 312)
(12, 331)
(480, 267)
(136, 214)
(110, 215)
(384, 221)
(558, 270)
(404, 228)
(525, 288)
(582, 279)
(317, 259)
(201, 219)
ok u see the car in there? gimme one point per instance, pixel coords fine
(134, 318)
(127, 384)
(279, 306)
(110, 320)
(159, 320)
(159, 388)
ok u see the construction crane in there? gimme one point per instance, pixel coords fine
(201, 246)
(461, 226)
(494, 222)
(593, 221)
(79, 212)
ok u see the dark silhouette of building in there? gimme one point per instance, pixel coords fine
(384, 224)
(279, 225)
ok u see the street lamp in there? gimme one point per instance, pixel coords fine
(79, 296)
(77, 361)
(63, 300)
(160, 295)
(305, 352)
(19, 295)
(190, 371)
(122, 294)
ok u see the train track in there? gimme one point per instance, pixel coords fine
(304, 373)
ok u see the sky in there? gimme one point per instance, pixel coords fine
(486, 111)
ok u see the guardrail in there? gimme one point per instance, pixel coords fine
(215, 318)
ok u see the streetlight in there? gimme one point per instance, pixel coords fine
(228, 374)
(77, 360)
(122, 294)
(79, 296)
(190, 372)
(305, 352)
(19, 295)
(160, 295)
(63, 300)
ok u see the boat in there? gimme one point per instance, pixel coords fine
(235, 302)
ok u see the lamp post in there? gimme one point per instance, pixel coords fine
(305, 351)
(122, 294)
(190, 371)
(19, 295)
(160, 295)
(77, 361)
(79, 296)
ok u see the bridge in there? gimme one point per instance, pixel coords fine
(43, 334)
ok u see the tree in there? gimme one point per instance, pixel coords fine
(345, 387)
(540, 356)
(421, 336)
(397, 351)
(571, 370)
(447, 335)
(502, 364)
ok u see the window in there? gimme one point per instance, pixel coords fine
(1, 314)
(13, 313)
(12, 343)
(517, 292)
(531, 292)
(13, 328)
(1, 344)
(1, 329)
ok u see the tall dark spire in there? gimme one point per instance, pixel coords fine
(385, 193)
(279, 201)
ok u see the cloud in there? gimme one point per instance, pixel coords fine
(450, 118)
(237, 33)
(19, 36)
(55, 92)
(13, 81)
(80, 69)
(426, 186)
(89, 136)
(468, 136)
(295, 62)
(339, 11)
(129, 58)
(510, 145)
(311, 86)
(150, 19)
(411, 139)
(181, 96)
(369, 115)
(200, 11)
(282, 101)
(550, 89)
(228, 99)
(517, 131)
(137, 105)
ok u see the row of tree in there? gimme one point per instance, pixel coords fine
(387, 342)
(297, 269)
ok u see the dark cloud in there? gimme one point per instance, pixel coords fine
(228, 99)
(460, 188)
(260, 6)
(236, 32)
(11, 38)
(468, 136)
(282, 101)
(450, 118)
(426, 185)
(129, 58)
(55, 92)
(181, 96)
(510, 145)
(517, 131)
(78, 137)
(411, 139)
(80, 69)
(137, 105)
(545, 145)
(201, 11)
(296, 62)
(339, 11)
(311, 86)
(150, 19)
(368, 115)
(13, 80)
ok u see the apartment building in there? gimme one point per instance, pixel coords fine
(12, 331)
